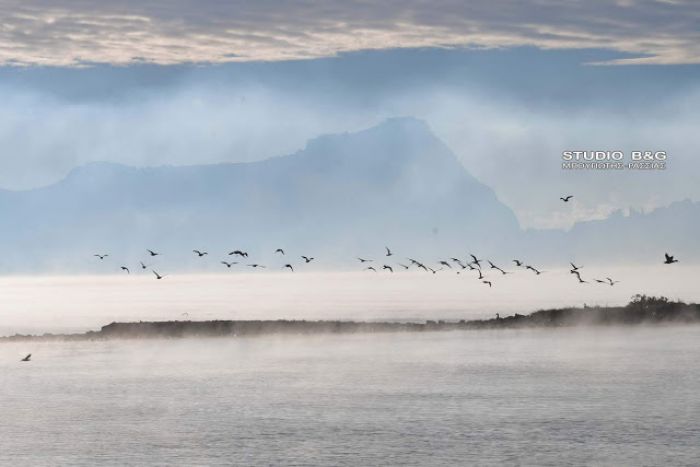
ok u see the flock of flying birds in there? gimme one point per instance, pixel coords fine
(236, 253)
(474, 265)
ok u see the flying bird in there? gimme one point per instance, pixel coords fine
(289, 266)
(152, 253)
(578, 275)
(143, 266)
(388, 251)
(404, 266)
(487, 282)
(536, 271)
(279, 250)
(388, 267)
(101, 256)
(158, 276)
(574, 267)
(433, 270)
(308, 259)
(256, 265)
(600, 281)
(27, 358)
(200, 253)
(518, 262)
(493, 266)
(481, 276)
(240, 253)
(669, 259)
(566, 198)
(445, 263)
(124, 268)
(227, 264)
(370, 269)
(612, 282)
(476, 261)
(362, 260)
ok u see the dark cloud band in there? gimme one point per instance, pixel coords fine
(75, 32)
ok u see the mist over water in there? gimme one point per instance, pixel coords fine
(39, 304)
(601, 396)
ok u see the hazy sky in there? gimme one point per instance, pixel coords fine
(508, 86)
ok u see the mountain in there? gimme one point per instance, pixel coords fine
(341, 196)
(626, 238)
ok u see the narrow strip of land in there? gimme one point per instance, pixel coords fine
(641, 310)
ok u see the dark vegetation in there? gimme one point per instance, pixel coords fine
(641, 309)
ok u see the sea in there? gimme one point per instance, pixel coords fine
(612, 396)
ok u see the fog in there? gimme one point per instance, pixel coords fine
(430, 398)
(56, 304)
(506, 119)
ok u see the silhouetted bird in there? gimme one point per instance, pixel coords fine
(200, 253)
(669, 259)
(567, 198)
(533, 270)
(433, 270)
(518, 262)
(362, 260)
(476, 261)
(388, 267)
(289, 266)
(403, 266)
(612, 282)
(307, 259)
(279, 250)
(388, 251)
(493, 266)
(124, 268)
(487, 282)
(27, 358)
(152, 253)
(143, 266)
(445, 263)
(158, 276)
(227, 264)
(578, 275)
(574, 267)
(459, 262)
(256, 265)
(240, 253)
(370, 269)
(100, 256)
(481, 276)
(600, 281)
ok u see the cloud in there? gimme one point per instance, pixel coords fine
(76, 33)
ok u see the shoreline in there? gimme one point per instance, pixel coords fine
(642, 310)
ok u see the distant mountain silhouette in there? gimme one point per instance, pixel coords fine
(627, 238)
(342, 195)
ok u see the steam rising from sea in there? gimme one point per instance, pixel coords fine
(78, 303)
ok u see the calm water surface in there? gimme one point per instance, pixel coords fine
(536, 397)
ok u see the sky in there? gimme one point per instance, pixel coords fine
(507, 85)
